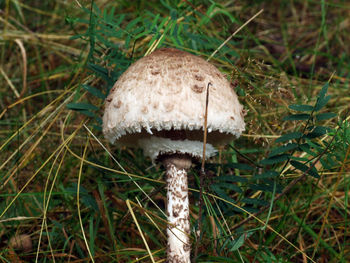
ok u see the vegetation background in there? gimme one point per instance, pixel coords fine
(278, 194)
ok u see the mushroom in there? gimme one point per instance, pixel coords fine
(158, 104)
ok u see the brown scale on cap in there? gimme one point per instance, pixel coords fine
(197, 89)
(155, 72)
(198, 77)
(144, 109)
(183, 77)
(169, 106)
(118, 104)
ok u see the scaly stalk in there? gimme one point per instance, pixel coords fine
(178, 231)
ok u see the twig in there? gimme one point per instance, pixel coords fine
(202, 173)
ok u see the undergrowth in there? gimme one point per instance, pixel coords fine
(277, 194)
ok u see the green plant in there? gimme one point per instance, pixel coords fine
(299, 150)
(291, 177)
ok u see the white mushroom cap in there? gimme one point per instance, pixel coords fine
(163, 95)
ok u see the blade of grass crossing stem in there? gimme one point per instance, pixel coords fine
(78, 200)
(139, 228)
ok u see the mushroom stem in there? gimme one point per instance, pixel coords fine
(179, 247)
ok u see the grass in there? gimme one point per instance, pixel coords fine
(72, 197)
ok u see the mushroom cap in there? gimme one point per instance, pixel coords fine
(164, 95)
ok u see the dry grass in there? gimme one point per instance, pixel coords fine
(286, 55)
